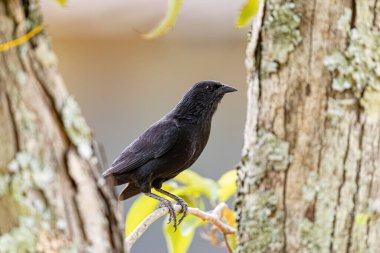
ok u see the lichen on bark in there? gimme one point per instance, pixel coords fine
(27, 184)
(281, 27)
(357, 68)
(263, 220)
(263, 224)
(270, 152)
(76, 127)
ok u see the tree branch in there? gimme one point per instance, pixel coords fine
(213, 217)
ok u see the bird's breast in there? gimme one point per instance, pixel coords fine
(197, 141)
(185, 152)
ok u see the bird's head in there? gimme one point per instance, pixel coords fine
(202, 99)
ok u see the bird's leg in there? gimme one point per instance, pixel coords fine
(180, 202)
(165, 203)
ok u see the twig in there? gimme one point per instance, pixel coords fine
(213, 217)
(218, 210)
(227, 244)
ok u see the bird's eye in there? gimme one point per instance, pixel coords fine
(208, 88)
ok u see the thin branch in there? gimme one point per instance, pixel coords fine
(227, 244)
(213, 217)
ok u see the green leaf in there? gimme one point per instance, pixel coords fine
(231, 239)
(180, 241)
(61, 2)
(174, 6)
(140, 209)
(362, 219)
(227, 185)
(248, 10)
(196, 184)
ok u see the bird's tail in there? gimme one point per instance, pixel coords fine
(107, 173)
(111, 180)
(129, 191)
(115, 179)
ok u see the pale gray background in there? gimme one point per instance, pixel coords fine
(124, 83)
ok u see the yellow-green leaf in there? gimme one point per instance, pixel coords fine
(140, 209)
(174, 6)
(61, 2)
(231, 240)
(227, 185)
(248, 10)
(361, 218)
(180, 240)
(196, 184)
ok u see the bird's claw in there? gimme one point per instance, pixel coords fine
(183, 210)
(172, 214)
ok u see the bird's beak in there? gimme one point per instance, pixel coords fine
(227, 89)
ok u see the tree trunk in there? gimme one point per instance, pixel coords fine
(51, 198)
(309, 180)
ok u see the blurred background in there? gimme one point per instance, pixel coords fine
(124, 83)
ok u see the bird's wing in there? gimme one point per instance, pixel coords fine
(153, 143)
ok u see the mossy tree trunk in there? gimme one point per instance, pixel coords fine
(309, 180)
(51, 199)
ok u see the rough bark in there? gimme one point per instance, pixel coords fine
(51, 198)
(309, 180)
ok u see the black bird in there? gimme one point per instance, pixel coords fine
(169, 146)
